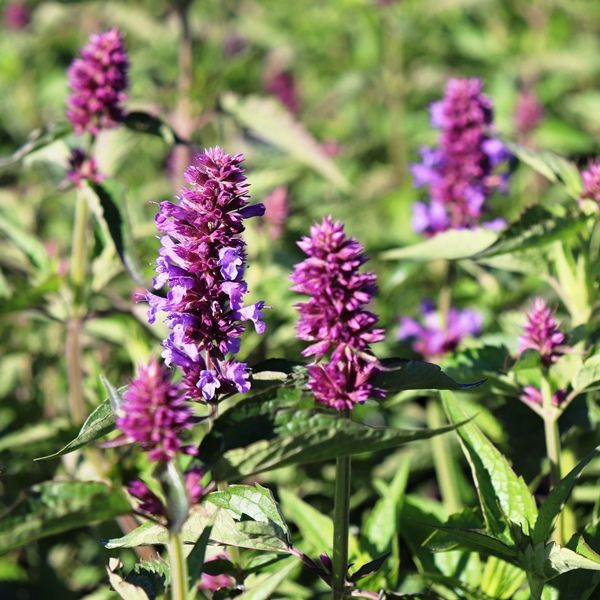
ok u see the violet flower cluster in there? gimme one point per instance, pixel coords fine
(463, 172)
(591, 181)
(202, 260)
(334, 319)
(98, 80)
(154, 412)
(432, 337)
(542, 333)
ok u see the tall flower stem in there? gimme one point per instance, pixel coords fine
(178, 564)
(553, 450)
(74, 325)
(341, 512)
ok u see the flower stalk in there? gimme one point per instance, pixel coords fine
(341, 526)
(177, 562)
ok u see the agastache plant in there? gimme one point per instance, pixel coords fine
(462, 173)
(202, 260)
(98, 80)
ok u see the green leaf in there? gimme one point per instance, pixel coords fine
(225, 530)
(454, 244)
(31, 297)
(534, 228)
(501, 492)
(97, 425)
(106, 202)
(255, 502)
(125, 589)
(35, 434)
(562, 560)
(37, 140)
(56, 506)
(115, 396)
(271, 122)
(556, 500)
(552, 166)
(369, 568)
(176, 496)
(400, 374)
(588, 376)
(30, 246)
(305, 436)
(261, 587)
(143, 122)
(195, 559)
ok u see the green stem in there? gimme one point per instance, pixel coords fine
(73, 348)
(536, 586)
(341, 513)
(552, 435)
(179, 576)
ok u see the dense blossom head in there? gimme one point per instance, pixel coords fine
(528, 112)
(202, 260)
(542, 333)
(98, 80)
(591, 181)
(154, 412)
(335, 319)
(463, 171)
(83, 168)
(431, 337)
(17, 15)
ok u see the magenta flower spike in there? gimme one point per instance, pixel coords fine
(591, 181)
(334, 319)
(98, 80)
(430, 338)
(154, 412)
(542, 333)
(202, 260)
(462, 172)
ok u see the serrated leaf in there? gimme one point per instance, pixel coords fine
(454, 244)
(556, 501)
(305, 436)
(501, 492)
(56, 506)
(225, 530)
(588, 376)
(272, 123)
(399, 374)
(37, 140)
(553, 167)
(255, 502)
(106, 202)
(125, 589)
(97, 425)
(534, 228)
(143, 122)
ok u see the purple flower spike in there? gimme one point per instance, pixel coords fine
(431, 339)
(98, 80)
(542, 333)
(334, 319)
(591, 181)
(149, 501)
(202, 260)
(461, 174)
(154, 412)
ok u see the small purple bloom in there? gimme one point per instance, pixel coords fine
(461, 174)
(542, 333)
(202, 261)
(193, 484)
(431, 338)
(214, 583)
(334, 318)
(591, 181)
(277, 210)
(98, 80)
(17, 15)
(282, 84)
(149, 502)
(83, 168)
(532, 395)
(154, 412)
(528, 113)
